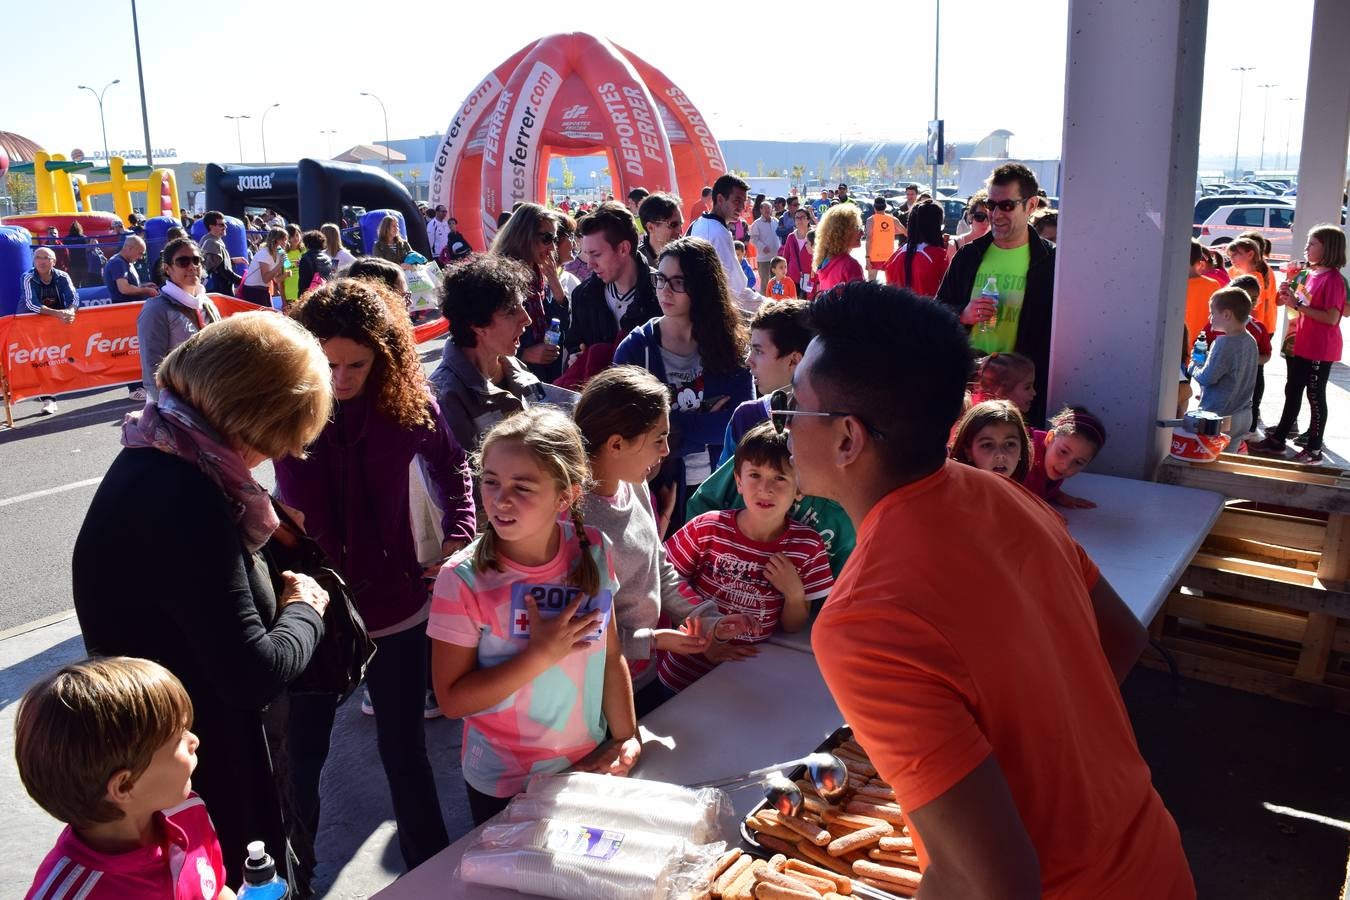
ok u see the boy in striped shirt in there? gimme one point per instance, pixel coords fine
(754, 562)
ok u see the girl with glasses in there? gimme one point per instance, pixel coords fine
(530, 236)
(177, 312)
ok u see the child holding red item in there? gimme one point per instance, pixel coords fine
(754, 562)
(524, 643)
(104, 746)
(1075, 437)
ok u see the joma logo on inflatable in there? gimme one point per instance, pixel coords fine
(256, 182)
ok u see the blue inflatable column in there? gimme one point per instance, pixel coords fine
(16, 258)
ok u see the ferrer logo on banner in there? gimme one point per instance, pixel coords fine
(523, 129)
(46, 356)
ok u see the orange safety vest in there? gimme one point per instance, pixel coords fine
(882, 243)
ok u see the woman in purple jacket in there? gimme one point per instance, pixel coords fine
(352, 490)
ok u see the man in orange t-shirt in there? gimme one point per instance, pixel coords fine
(970, 642)
(883, 230)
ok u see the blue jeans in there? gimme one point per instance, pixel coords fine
(397, 680)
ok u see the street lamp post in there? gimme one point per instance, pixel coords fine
(1242, 83)
(1288, 127)
(937, 52)
(238, 136)
(1265, 117)
(98, 95)
(385, 113)
(329, 132)
(262, 131)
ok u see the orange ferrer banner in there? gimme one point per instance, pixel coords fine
(44, 356)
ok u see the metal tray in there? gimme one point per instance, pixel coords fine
(754, 847)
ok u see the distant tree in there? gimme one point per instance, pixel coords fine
(797, 173)
(759, 168)
(569, 178)
(882, 167)
(199, 175)
(774, 173)
(21, 190)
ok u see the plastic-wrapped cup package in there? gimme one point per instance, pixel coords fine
(572, 861)
(696, 816)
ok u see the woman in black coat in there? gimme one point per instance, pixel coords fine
(167, 564)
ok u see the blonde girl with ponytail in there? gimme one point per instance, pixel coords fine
(524, 643)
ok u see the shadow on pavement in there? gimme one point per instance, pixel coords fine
(15, 679)
(110, 412)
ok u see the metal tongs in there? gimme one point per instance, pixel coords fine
(826, 771)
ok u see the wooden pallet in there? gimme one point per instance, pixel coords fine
(1265, 603)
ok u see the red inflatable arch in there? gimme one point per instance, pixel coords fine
(568, 95)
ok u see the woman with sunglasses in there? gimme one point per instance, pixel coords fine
(697, 349)
(530, 236)
(976, 218)
(177, 312)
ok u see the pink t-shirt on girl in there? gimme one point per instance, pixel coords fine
(554, 720)
(1313, 340)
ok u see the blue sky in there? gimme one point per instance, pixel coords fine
(850, 77)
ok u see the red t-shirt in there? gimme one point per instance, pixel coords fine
(722, 564)
(962, 627)
(1255, 328)
(929, 265)
(187, 866)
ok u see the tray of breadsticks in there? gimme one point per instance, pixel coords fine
(855, 843)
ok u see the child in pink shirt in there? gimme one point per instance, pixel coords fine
(139, 833)
(524, 644)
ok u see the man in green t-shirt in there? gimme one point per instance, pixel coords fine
(1022, 265)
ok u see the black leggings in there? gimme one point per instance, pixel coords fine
(483, 806)
(1258, 393)
(1305, 375)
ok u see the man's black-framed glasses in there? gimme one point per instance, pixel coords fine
(782, 410)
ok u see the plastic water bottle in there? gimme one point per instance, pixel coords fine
(1200, 352)
(261, 881)
(553, 337)
(990, 292)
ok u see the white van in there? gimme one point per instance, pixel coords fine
(1274, 221)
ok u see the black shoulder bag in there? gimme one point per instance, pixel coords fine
(345, 650)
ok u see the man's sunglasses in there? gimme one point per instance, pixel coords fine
(185, 261)
(1006, 205)
(782, 406)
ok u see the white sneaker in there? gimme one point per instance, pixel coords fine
(49, 407)
(367, 708)
(431, 709)
(137, 395)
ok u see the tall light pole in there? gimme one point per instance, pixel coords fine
(385, 113)
(140, 77)
(262, 130)
(1288, 126)
(937, 51)
(98, 95)
(329, 132)
(1265, 116)
(1242, 84)
(237, 135)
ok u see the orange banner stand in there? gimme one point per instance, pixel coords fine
(43, 356)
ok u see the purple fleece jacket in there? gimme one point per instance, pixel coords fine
(353, 490)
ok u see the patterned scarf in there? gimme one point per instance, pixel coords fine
(171, 426)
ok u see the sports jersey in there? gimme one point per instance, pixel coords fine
(881, 244)
(724, 565)
(1009, 269)
(186, 866)
(554, 720)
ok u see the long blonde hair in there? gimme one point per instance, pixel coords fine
(389, 232)
(556, 444)
(835, 231)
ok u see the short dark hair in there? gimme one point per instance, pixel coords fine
(898, 361)
(879, 204)
(1234, 300)
(764, 445)
(727, 183)
(213, 217)
(372, 268)
(794, 199)
(788, 323)
(638, 194)
(1009, 173)
(912, 187)
(705, 193)
(314, 240)
(172, 247)
(473, 291)
(615, 221)
(658, 206)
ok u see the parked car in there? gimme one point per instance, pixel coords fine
(1205, 206)
(1275, 221)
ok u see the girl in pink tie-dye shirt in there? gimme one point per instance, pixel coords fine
(524, 645)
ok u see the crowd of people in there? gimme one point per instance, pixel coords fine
(629, 468)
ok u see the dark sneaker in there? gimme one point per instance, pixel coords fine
(1301, 440)
(1267, 446)
(1311, 457)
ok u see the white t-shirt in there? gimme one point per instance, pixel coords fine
(343, 259)
(253, 276)
(715, 232)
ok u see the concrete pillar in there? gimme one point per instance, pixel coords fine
(1326, 122)
(1131, 133)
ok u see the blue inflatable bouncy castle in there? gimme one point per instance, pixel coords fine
(155, 230)
(236, 239)
(16, 258)
(312, 193)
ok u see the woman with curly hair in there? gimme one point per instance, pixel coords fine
(530, 236)
(353, 493)
(697, 349)
(839, 233)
